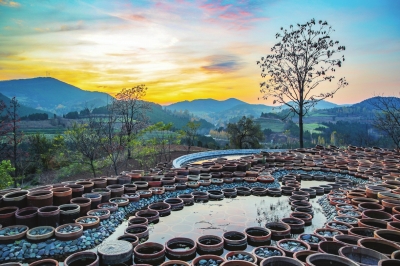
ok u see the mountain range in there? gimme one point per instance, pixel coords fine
(52, 95)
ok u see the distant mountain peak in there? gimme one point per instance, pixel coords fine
(50, 93)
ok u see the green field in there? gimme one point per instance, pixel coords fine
(311, 127)
(273, 124)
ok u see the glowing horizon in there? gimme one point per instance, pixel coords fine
(186, 50)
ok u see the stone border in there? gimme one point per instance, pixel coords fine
(180, 161)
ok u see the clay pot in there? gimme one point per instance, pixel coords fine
(138, 230)
(104, 192)
(84, 204)
(290, 253)
(40, 198)
(69, 212)
(348, 240)
(210, 244)
(278, 229)
(361, 232)
(175, 203)
(174, 262)
(234, 240)
(134, 240)
(173, 249)
(305, 237)
(302, 255)
(296, 225)
(90, 225)
(77, 190)
(130, 188)
(61, 195)
(40, 238)
(372, 223)
(95, 199)
(200, 196)
(7, 216)
(13, 238)
(138, 221)
(383, 246)
(284, 261)
(16, 198)
(258, 236)
(389, 262)
(379, 215)
(330, 247)
(163, 208)
(243, 253)
(99, 182)
(390, 235)
(331, 225)
(105, 214)
(87, 185)
(151, 215)
(87, 258)
(333, 232)
(362, 256)
(49, 216)
(188, 199)
(149, 253)
(328, 259)
(370, 206)
(27, 216)
(68, 236)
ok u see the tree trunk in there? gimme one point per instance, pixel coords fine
(92, 167)
(301, 126)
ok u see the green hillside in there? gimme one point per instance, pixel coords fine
(23, 110)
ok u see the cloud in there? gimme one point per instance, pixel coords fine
(9, 3)
(222, 64)
(64, 27)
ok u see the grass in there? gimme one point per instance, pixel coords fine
(273, 124)
(311, 127)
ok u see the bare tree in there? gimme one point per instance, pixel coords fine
(132, 110)
(298, 63)
(387, 117)
(112, 138)
(244, 134)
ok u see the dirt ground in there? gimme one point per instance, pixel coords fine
(177, 151)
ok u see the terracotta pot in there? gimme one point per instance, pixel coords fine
(210, 244)
(180, 248)
(130, 188)
(306, 237)
(278, 229)
(40, 198)
(258, 236)
(395, 255)
(138, 221)
(271, 248)
(99, 182)
(95, 199)
(138, 230)
(272, 261)
(112, 207)
(132, 197)
(200, 196)
(174, 262)
(40, 238)
(69, 212)
(61, 195)
(290, 252)
(362, 256)
(230, 256)
(390, 235)
(149, 253)
(70, 235)
(234, 240)
(45, 262)
(370, 206)
(175, 203)
(151, 216)
(330, 247)
(328, 259)
(372, 223)
(87, 258)
(229, 192)
(163, 208)
(104, 192)
(87, 185)
(389, 204)
(15, 237)
(77, 190)
(302, 255)
(134, 240)
(348, 240)
(334, 224)
(84, 204)
(328, 237)
(49, 216)
(383, 246)
(7, 216)
(27, 216)
(361, 232)
(103, 214)
(243, 191)
(16, 198)
(89, 225)
(379, 215)
(389, 262)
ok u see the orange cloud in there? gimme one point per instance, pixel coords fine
(9, 3)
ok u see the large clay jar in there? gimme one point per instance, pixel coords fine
(40, 198)
(45, 262)
(87, 258)
(7, 216)
(49, 215)
(16, 198)
(27, 216)
(61, 195)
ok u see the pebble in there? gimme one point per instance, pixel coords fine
(241, 257)
(118, 200)
(292, 246)
(209, 262)
(87, 220)
(12, 231)
(265, 252)
(327, 233)
(310, 239)
(41, 231)
(69, 229)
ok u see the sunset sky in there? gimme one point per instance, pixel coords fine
(185, 50)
